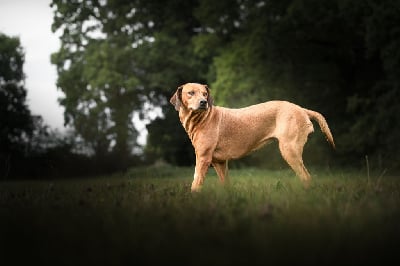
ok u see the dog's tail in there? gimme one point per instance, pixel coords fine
(323, 125)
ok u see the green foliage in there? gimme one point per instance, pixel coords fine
(337, 57)
(16, 122)
(28, 147)
(149, 216)
(174, 148)
(97, 74)
(113, 62)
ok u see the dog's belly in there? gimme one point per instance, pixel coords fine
(242, 131)
(229, 151)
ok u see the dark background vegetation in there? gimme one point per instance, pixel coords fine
(118, 58)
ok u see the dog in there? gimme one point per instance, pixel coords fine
(220, 134)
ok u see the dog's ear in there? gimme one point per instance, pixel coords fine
(210, 99)
(176, 99)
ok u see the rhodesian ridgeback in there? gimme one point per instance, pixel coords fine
(220, 134)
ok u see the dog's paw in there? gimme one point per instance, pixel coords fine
(196, 189)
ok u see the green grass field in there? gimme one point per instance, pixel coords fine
(149, 216)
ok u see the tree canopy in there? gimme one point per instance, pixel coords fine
(115, 57)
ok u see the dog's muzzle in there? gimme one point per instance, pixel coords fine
(203, 104)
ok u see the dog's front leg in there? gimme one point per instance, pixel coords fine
(202, 165)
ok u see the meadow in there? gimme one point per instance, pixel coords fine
(148, 216)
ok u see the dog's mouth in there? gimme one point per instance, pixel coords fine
(199, 108)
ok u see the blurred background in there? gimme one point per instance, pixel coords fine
(118, 62)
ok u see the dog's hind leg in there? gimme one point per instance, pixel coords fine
(222, 171)
(292, 153)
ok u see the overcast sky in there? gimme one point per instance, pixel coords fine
(31, 20)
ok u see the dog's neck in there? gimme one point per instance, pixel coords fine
(191, 120)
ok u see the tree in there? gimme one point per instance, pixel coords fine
(16, 123)
(115, 58)
(97, 73)
(168, 62)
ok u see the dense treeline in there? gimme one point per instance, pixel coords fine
(120, 58)
(338, 57)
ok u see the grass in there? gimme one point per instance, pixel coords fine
(149, 216)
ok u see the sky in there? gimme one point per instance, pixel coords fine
(31, 20)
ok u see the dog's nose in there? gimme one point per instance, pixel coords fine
(203, 102)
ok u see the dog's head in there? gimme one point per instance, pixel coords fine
(192, 96)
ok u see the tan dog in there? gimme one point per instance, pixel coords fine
(220, 134)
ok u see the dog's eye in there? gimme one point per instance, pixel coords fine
(205, 94)
(191, 93)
